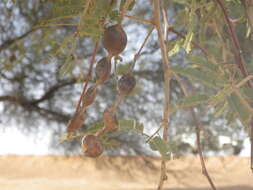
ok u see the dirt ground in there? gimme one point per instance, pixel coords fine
(120, 173)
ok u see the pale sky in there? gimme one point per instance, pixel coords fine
(13, 141)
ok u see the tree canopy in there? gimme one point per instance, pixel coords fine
(47, 48)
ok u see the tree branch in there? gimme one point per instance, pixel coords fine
(60, 117)
(142, 20)
(9, 42)
(137, 55)
(31, 106)
(167, 78)
(197, 130)
(239, 60)
(87, 80)
(53, 89)
(237, 49)
(202, 161)
(12, 99)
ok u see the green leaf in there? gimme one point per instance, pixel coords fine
(248, 31)
(202, 62)
(64, 137)
(190, 101)
(123, 69)
(175, 48)
(67, 66)
(90, 24)
(71, 136)
(221, 95)
(114, 15)
(110, 143)
(8, 66)
(238, 107)
(130, 125)
(158, 144)
(70, 10)
(208, 78)
(180, 1)
(123, 125)
(191, 26)
(230, 116)
(95, 127)
(220, 108)
(131, 6)
(248, 92)
(64, 3)
(187, 42)
(63, 9)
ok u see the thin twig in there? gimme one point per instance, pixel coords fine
(197, 45)
(166, 22)
(204, 170)
(52, 25)
(10, 42)
(137, 55)
(86, 8)
(197, 130)
(118, 101)
(167, 78)
(125, 8)
(237, 49)
(243, 101)
(139, 19)
(248, 6)
(88, 78)
(243, 81)
(228, 90)
(151, 137)
(79, 116)
(251, 140)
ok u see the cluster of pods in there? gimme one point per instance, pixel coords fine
(114, 40)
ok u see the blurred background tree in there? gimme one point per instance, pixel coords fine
(43, 63)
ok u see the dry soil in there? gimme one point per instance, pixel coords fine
(120, 173)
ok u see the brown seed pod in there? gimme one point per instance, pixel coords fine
(110, 120)
(103, 70)
(91, 146)
(126, 84)
(76, 122)
(89, 96)
(114, 39)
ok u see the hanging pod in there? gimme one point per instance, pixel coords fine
(114, 39)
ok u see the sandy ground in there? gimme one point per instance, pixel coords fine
(120, 173)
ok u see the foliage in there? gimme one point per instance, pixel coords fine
(200, 48)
